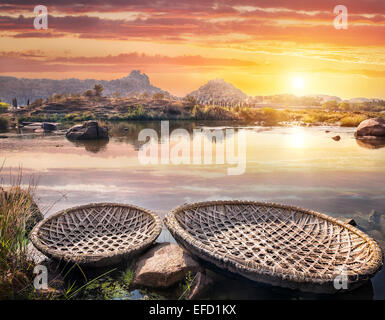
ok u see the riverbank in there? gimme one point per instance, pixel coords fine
(74, 109)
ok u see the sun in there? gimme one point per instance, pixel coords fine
(298, 83)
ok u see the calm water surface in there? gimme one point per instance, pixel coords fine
(292, 165)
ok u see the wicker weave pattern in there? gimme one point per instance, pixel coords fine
(96, 233)
(274, 243)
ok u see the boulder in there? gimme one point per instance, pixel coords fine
(46, 126)
(90, 130)
(163, 266)
(336, 138)
(374, 127)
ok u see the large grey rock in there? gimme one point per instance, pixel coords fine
(89, 130)
(374, 127)
(163, 266)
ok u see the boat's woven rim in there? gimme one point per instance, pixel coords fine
(205, 252)
(34, 237)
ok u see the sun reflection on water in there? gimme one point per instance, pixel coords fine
(297, 138)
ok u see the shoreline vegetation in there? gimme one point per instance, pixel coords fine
(92, 105)
(18, 213)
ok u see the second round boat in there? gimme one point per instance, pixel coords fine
(277, 244)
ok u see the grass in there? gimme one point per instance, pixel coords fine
(107, 287)
(187, 285)
(128, 276)
(245, 114)
(352, 121)
(16, 268)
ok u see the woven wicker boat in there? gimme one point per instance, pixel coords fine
(97, 234)
(276, 244)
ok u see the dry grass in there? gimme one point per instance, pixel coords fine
(352, 121)
(16, 211)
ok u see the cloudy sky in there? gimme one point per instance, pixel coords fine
(261, 46)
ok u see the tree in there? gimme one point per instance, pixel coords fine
(98, 88)
(37, 103)
(344, 106)
(14, 103)
(331, 105)
(191, 100)
(88, 93)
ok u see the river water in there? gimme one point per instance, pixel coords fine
(301, 166)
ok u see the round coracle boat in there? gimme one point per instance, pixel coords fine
(277, 244)
(97, 234)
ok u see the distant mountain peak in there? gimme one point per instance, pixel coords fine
(139, 76)
(218, 90)
(30, 89)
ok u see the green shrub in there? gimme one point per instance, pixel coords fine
(270, 116)
(352, 121)
(4, 107)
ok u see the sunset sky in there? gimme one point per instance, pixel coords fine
(263, 46)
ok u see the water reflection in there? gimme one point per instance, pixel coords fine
(375, 143)
(93, 146)
(242, 289)
(297, 138)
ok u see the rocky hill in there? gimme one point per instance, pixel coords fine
(218, 91)
(30, 89)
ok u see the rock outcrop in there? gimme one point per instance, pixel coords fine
(163, 266)
(90, 130)
(374, 127)
(46, 126)
(219, 91)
